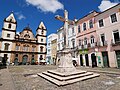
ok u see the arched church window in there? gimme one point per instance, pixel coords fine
(17, 47)
(41, 57)
(42, 28)
(25, 48)
(33, 48)
(6, 46)
(42, 31)
(26, 36)
(41, 49)
(11, 20)
(9, 25)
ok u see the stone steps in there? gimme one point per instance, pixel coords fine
(66, 74)
(62, 79)
(67, 77)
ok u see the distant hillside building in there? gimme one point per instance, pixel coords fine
(23, 47)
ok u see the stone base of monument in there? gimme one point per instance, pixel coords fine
(66, 73)
(62, 79)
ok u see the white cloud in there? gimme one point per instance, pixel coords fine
(46, 5)
(106, 4)
(20, 16)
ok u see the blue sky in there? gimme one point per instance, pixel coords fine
(32, 12)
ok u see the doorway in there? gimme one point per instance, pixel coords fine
(16, 61)
(81, 60)
(4, 59)
(87, 60)
(24, 59)
(94, 62)
(118, 58)
(105, 59)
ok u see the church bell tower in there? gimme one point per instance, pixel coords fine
(8, 36)
(41, 39)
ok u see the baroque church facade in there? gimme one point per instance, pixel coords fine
(25, 47)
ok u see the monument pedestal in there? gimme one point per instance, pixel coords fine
(66, 64)
(66, 73)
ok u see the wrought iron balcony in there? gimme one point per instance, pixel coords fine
(116, 42)
(99, 44)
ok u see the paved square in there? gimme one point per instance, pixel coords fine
(25, 78)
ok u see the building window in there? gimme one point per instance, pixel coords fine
(103, 39)
(85, 41)
(59, 46)
(80, 42)
(48, 44)
(73, 30)
(16, 55)
(84, 26)
(58, 36)
(113, 18)
(17, 47)
(33, 49)
(25, 48)
(62, 44)
(33, 57)
(26, 36)
(41, 49)
(11, 20)
(41, 57)
(6, 46)
(68, 42)
(9, 25)
(92, 39)
(8, 35)
(73, 43)
(91, 24)
(101, 24)
(62, 34)
(42, 32)
(79, 29)
(48, 50)
(41, 40)
(116, 36)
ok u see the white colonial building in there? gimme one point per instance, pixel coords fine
(71, 39)
(50, 38)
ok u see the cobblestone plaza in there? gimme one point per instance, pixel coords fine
(25, 78)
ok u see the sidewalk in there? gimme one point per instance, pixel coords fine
(101, 70)
(6, 82)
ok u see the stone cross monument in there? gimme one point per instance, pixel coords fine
(66, 64)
